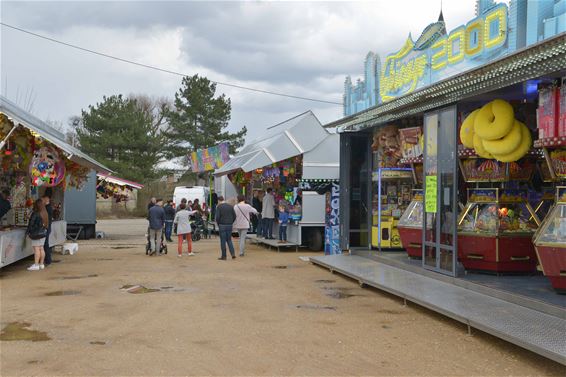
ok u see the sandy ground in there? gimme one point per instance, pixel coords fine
(235, 317)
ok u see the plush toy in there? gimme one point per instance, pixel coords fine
(387, 142)
(46, 167)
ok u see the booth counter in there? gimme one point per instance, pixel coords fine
(35, 159)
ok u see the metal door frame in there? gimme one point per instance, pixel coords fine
(437, 244)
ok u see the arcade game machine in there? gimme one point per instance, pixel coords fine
(495, 232)
(391, 199)
(410, 225)
(550, 243)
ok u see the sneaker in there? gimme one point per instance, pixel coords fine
(221, 258)
(41, 266)
(242, 255)
(179, 255)
(192, 254)
(33, 267)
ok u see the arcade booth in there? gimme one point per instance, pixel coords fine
(550, 243)
(291, 158)
(35, 159)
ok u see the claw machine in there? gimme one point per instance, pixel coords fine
(550, 243)
(389, 202)
(495, 231)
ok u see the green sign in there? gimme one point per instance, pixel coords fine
(430, 193)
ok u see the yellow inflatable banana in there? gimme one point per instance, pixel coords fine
(467, 130)
(478, 146)
(494, 120)
(521, 151)
(507, 144)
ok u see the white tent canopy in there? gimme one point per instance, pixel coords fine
(293, 137)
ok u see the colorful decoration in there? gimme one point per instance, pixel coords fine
(210, 158)
(46, 167)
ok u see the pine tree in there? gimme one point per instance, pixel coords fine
(123, 135)
(199, 119)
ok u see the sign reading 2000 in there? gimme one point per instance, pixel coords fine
(480, 40)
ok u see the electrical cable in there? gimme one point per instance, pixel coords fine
(163, 69)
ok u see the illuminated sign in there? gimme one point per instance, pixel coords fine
(465, 47)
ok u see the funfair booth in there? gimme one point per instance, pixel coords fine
(291, 157)
(34, 158)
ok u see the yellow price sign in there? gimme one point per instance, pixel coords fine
(430, 193)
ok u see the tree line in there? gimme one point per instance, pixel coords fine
(132, 134)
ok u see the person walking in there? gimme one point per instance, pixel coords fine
(256, 219)
(283, 222)
(37, 232)
(156, 221)
(183, 223)
(225, 217)
(242, 224)
(268, 214)
(46, 198)
(169, 217)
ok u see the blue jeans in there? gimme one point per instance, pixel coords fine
(168, 229)
(267, 225)
(283, 232)
(225, 232)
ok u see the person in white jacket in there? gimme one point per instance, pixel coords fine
(243, 221)
(182, 219)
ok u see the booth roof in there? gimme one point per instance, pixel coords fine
(288, 139)
(25, 119)
(544, 58)
(120, 181)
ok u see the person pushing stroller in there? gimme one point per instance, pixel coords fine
(156, 219)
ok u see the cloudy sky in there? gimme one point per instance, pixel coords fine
(300, 48)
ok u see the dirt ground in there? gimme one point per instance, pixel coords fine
(267, 313)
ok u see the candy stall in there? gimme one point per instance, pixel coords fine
(550, 243)
(495, 231)
(34, 160)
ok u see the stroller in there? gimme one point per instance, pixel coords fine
(197, 226)
(162, 243)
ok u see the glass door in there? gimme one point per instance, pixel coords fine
(441, 191)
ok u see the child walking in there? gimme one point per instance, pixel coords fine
(283, 222)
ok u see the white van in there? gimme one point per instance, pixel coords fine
(202, 193)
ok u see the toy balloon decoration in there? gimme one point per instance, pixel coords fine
(46, 167)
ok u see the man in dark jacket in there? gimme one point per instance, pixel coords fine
(5, 205)
(156, 221)
(225, 216)
(169, 217)
(256, 219)
(47, 201)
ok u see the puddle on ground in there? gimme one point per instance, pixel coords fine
(98, 342)
(33, 362)
(338, 292)
(315, 307)
(76, 277)
(389, 311)
(121, 247)
(325, 281)
(63, 293)
(103, 259)
(386, 327)
(166, 287)
(56, 261)
(138, 289)
(280, 267)
(20, 331)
